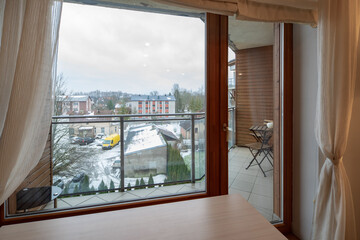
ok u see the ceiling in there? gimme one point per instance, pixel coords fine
(245, 34)
(242, 34)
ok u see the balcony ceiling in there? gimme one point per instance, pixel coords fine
(245, 34)
(242, 34)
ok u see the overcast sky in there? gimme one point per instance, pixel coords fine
(135, 52)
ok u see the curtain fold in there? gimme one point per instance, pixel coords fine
(302, 11)
(27, 56)
(338, 42)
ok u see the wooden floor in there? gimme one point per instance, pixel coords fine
(223, 217)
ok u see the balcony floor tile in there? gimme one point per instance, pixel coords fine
(251, 183)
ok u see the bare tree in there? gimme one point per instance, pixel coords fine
(64, 153)
(68, 159)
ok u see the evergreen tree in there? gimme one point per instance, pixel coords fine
(92, 188)
(142, 182)
(85, 185)
(112, 185)
(151, 181)
(129, 186)
(137, 183)
(102, 186)
(178, 100)
(176, 167)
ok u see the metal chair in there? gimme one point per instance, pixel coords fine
(261, 147)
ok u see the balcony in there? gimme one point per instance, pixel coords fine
(96, 176)
(153, 156)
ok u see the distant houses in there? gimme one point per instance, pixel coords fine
(152, 104)
(185, 129)
(68, 105)
(83, 105)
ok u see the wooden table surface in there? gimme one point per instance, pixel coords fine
(223, 217)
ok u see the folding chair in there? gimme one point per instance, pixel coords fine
(256, 149)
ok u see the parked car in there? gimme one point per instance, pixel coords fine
(86, 141)
(78, 177)
(116, 164)
(99, 135)
(75, 140)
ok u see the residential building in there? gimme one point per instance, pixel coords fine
(74, 104)
(92, 129)
(185, 129)
(145, 151)
(151, 104)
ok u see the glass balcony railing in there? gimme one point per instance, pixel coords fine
(101, 159)
(121, 153)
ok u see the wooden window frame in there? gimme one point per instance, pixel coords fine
(216, 120)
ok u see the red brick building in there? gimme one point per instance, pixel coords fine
(75, 104)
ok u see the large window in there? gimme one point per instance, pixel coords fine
(174, 151)
(120, 58)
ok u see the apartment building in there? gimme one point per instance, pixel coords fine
(151, 104)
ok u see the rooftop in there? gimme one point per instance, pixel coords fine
(143, 137)
(153, 98)
(74, 98)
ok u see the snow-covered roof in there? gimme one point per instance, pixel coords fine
(143, 137)
(73, 98)
(85, 128)
(152, 98)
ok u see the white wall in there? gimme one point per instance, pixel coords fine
(305, 148)
(305, 151)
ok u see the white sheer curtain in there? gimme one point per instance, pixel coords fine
(338, 44)
(27, 54)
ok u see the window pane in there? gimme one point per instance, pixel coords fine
(129, 121)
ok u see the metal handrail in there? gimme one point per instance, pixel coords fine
(121, 119)
(140, 186)
(127, 115)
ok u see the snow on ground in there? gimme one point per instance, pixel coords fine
(97, 163)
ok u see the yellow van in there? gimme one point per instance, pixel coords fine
(111, 141)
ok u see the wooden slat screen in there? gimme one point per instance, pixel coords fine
(254, 90)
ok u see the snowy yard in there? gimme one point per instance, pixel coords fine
(97, 163)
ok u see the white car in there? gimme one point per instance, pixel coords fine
(116, 164)
(100, 135)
